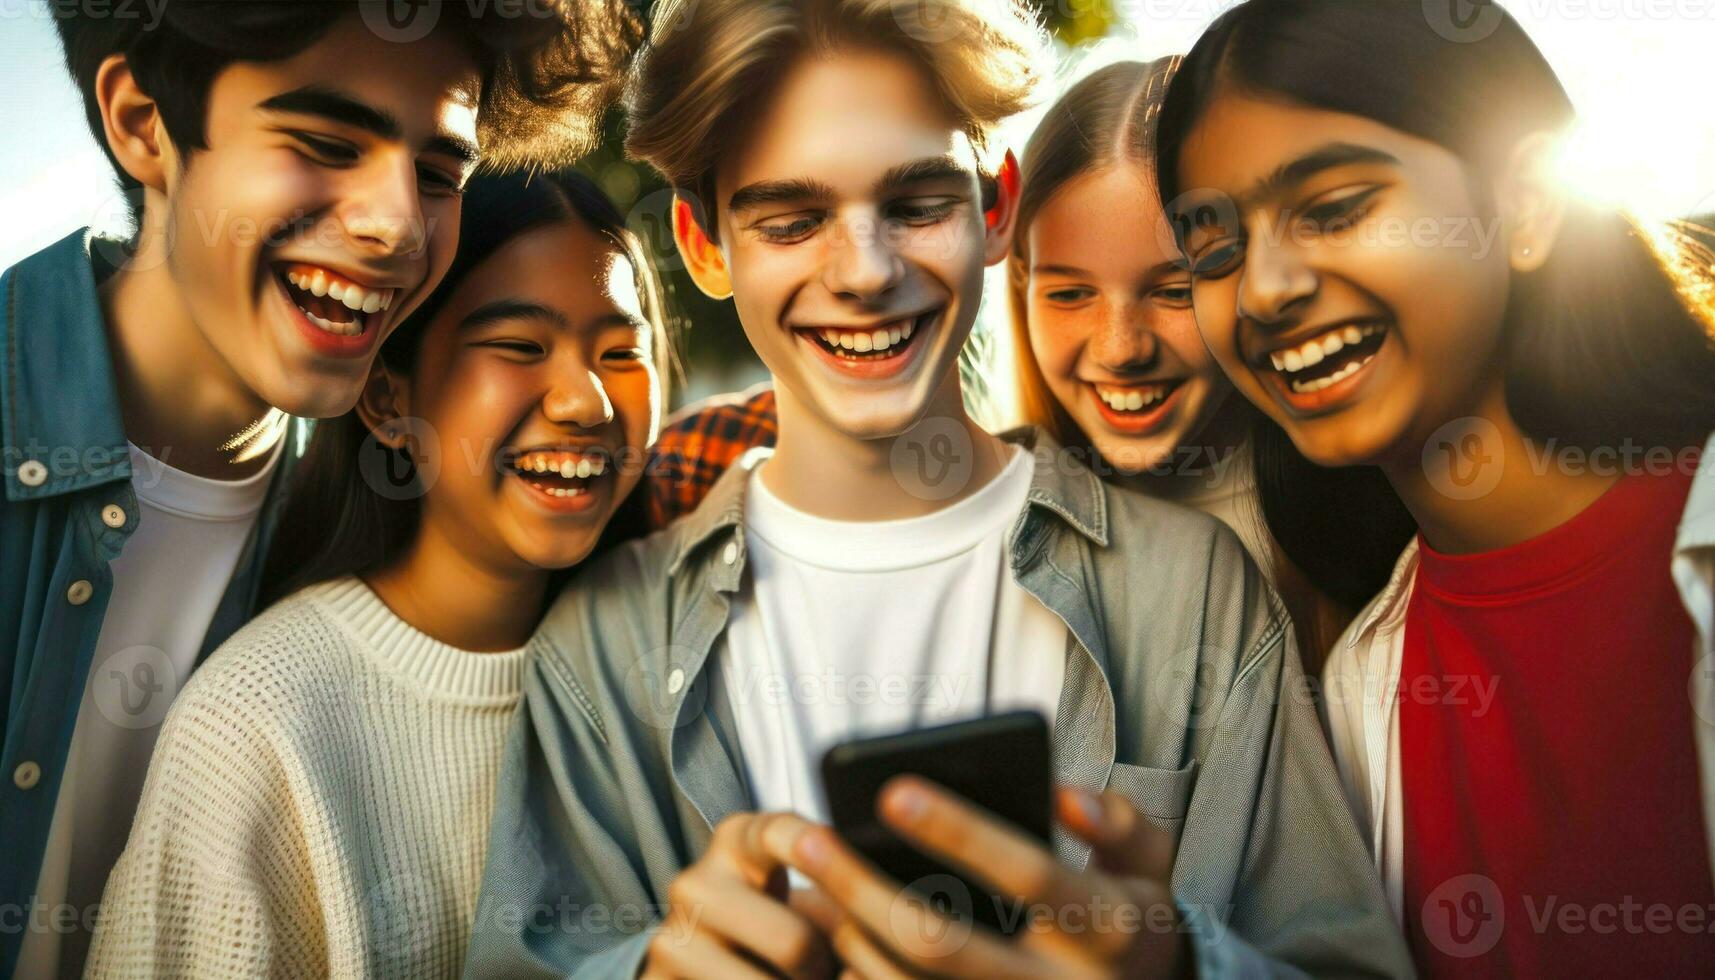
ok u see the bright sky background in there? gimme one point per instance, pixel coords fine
(1639, 70)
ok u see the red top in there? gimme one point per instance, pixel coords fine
(1553, 824)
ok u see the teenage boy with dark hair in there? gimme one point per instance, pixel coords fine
(294, 170)
(830, 156)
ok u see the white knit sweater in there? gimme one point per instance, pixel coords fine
(318, 803)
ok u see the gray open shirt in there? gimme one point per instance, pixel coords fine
(1183, 692)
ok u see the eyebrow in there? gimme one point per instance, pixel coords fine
(500, 310)
(920, 172)
(805, 189)
(1074, 271)
(339, 107)
(512, 308)
(777, 192)
(1322, 158)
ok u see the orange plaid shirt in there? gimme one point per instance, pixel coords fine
(699, 443)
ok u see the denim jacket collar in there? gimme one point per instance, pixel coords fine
(59, 406)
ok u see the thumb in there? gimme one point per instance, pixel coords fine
(1122, 841)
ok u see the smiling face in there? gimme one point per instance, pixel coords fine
(852, 229)
(1109, 313)
(538, 380)
(1343, 275)
(324, 208)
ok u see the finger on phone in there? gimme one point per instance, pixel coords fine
(1121, 840)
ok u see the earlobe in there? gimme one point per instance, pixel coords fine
(1531, 199)
(703, 258)
(383, 408)
(999, 218)
(132, 124)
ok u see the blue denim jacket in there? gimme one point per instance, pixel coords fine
(65, 461)
(1182, 692)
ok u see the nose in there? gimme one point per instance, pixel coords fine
(1275, 283)
(862, 263)
(578, 398)
(1122, 342)
(384, 214)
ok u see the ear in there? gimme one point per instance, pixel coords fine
(1000, 218)
(132, 123)
(703, 258)
(1531, 200)
(384, 405)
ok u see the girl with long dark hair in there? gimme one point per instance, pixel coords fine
(1384, 263)
(319, 800)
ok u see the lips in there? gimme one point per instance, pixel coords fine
(1137, 409)
(1326, 366)
(562, 479)
(331, 301)
(879, 349)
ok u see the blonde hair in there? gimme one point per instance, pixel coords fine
(1108, 118)
(707, 61)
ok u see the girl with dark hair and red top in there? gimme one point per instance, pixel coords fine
(1383, 263)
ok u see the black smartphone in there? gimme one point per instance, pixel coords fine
(999, 763)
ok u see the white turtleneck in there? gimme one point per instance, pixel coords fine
(318, 803)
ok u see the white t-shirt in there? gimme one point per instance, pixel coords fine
(167, 582)
(846, 629)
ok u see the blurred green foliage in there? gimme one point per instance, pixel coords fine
(710, 343)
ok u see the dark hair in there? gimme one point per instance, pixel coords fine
(548, 67)
(335, 521)
(1604, 343)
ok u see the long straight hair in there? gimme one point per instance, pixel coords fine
(1107, 119)
(1609, 342)
(337, 522)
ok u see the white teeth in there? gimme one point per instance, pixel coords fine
(336, 290)
(564, 491)
(1318, 384)
(319, 284)
(864, 341)
(564, 465)
(351, 329)
(568, 468)
(1131, 401)
(1313, 351)
(372, 303)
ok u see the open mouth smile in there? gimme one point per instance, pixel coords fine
(877, 350)
(338, 314)
(1324, 369)
(1138, 408)
(562, 479)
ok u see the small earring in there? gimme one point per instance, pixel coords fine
(1526, 252)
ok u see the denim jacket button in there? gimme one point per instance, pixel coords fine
(730, 555)
(80, 592)
(26, 775)
(31, 473)
(676, 680)
(113, 516)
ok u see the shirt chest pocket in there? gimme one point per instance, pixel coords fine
(1161, 795)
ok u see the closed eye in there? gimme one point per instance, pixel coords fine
(787, 232)
(525, 347)
(1218, 260)
(1340, 214)
(1069, 294)
(321, 149)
